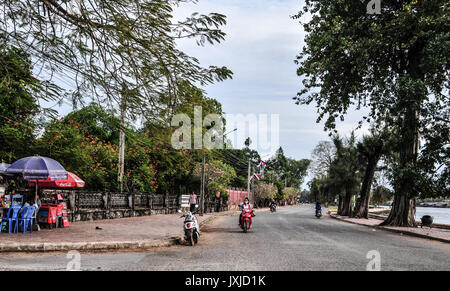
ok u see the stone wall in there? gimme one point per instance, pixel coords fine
(88, 206)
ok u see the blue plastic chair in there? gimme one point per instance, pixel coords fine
(12, 217)
(27, 218)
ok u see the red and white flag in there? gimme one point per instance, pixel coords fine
(262, 164)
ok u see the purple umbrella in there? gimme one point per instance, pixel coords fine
(38, 168)
(3, 167)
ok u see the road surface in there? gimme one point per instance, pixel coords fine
(290, 239)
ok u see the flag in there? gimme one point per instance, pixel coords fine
(262, 164)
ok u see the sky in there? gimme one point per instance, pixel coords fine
(261, 45)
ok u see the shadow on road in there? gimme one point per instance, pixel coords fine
(221, 230)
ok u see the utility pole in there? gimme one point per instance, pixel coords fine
(248, 142)
(248, 180)
(202, 187)
(122, 142)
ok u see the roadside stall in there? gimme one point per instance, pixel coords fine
(34, 168)
(54, 213)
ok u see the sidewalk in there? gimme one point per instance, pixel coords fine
(125, 233)
(442, 235)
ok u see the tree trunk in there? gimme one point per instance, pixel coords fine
(404, 208)
(345, 205)
(362, 204)
(340, 205)
(402, 213)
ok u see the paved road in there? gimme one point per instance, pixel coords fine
(290, 239)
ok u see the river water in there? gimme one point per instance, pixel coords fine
(440, 215)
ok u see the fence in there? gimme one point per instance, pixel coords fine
(84, 205)
(237, 196)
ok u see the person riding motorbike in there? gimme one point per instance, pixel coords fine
(272, 204)
(318, 207)
(245, 205)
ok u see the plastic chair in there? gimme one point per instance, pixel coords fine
(27, 218)
(12, 217)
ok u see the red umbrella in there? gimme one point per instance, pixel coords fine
(72, 181)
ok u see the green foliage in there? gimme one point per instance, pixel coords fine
(96, 121)
(114, 51)
(281, 195)
(264, 191)
(238, 159)
(381, 195)
(18, 103)
(289, 171)
(92, 159)
(85, 142)
(218, 176)
(290, 192)
(396, 64)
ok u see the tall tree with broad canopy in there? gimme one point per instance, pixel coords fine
(123, 54)
(344, 175)
(322, 157)
(19, 102)
(370, 149)
(396, 63)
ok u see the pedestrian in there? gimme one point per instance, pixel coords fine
(37, 203)
(193, 201)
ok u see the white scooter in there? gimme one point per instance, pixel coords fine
(191, 228)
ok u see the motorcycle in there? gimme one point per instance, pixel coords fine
(246, 221)
(191, 228)
(318, 213)
(273, 208)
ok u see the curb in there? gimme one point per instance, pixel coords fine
(394, 230)
(87, 246)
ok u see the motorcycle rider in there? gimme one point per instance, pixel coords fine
(272, 203)
(318, 206)
(245, 205)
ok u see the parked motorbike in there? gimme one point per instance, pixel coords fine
(318, 213)
(246, 221)
(191, 227)
(273, 208)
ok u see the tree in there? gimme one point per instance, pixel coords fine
(87, 156)
(322, 157)
(19, 93)
(381, 195)
(279, 164)
(396, 63)
(238, 159)
(345, 173)
(371, 148)
(218, 176)
(264, 192)
(296, 172)
(280, 193)
(290, 193)
(123, 53)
